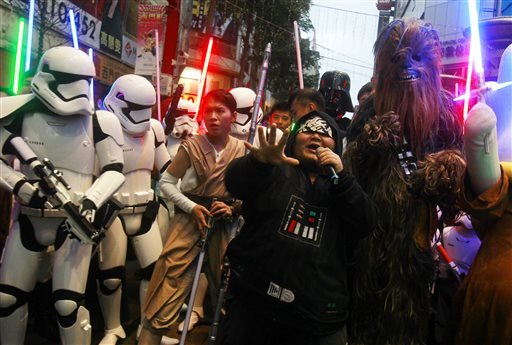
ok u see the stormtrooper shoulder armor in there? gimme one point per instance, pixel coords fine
(9, 105)
(109, 125)
(159, 132)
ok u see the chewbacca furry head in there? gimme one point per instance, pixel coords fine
(407, 68)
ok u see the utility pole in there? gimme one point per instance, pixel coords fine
(386, 11)
(211, 17)
(183, 38)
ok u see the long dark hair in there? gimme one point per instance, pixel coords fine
(221, 96)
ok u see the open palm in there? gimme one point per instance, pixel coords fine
(269, 151)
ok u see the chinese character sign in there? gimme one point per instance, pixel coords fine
(112, 28)
(151, 18)
(199, 14)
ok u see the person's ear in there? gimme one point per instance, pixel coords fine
(233, 116)
(311, 106)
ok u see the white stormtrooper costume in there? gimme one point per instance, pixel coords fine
(240, 129)
(184, 126)
(461, 243)
(56, 122)
(130, 99)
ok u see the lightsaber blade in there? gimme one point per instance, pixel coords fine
(29, 34)
(468, 82)
(475, 42)
(19, 46)
(202, 80)
(487, 87)
(297, 49)
(73, 28)
(157, 65)
(261, 87)
(91, 56)
(475, 55)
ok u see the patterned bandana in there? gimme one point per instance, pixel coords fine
(316, 125)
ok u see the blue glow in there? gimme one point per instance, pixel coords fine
(73, 28)
(19, 48)
(92, 80)
(29, 34)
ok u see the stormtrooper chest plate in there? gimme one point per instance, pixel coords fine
(66, 140)
(139, 152)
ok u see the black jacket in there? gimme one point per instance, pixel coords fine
(290, 259)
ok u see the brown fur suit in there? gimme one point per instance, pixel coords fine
(394, 266)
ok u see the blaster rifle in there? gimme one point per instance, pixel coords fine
(56, 190)
(170, 115)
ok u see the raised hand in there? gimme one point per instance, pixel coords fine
(269, 151)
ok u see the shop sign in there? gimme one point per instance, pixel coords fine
(112, 28)
(108, 69)
(56, 14)
(129, 51)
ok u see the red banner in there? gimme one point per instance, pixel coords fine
(152, 18)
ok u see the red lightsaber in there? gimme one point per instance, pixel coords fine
(202, 80)
(449, 261)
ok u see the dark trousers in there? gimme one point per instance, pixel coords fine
(244, 325)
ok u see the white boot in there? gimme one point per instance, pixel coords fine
(169, 341)
(14, 327)
(111, 311)
(112, 336)
(197, 309)
(80, 332)
(143, 290)
(197, 312)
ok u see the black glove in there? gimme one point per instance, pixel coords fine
(88, 209)
(29, 194)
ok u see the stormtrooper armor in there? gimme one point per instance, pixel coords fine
(62, 82)
(130, 99)
(461, 243)
(184, 126)
(77, 145)
(244, 98)
(240, 129)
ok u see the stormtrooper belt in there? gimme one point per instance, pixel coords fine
(133, 209)
(43, 213)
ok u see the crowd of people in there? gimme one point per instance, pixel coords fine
(338, 224)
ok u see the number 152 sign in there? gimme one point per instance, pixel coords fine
(57, 15)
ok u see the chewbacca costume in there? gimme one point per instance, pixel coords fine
(394, 267)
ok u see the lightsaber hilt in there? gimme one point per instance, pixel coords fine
(453, 266)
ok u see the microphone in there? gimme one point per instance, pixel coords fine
(330, 172)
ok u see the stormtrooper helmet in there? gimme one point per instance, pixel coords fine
(461, 242)
(62, 81)
(244, 98)
(185, 125)
(131, 98)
